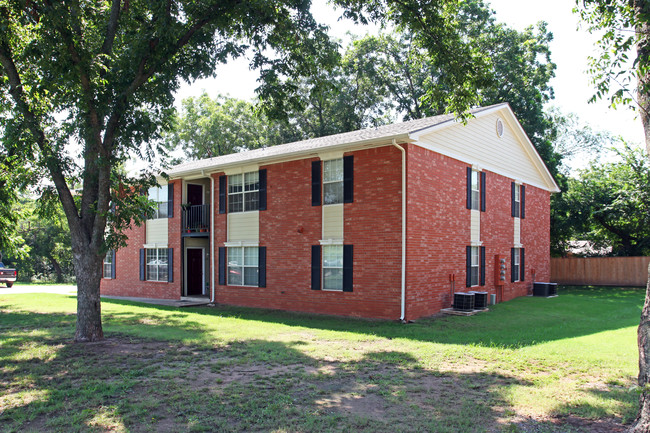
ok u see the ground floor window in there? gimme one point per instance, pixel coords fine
(517, 264)
(333, 267)
(157, 264)
(474, 266)
(108, 265)
(243, 266)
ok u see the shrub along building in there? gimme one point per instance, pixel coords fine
(373, 223)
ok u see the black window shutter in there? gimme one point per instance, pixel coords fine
(469, 188)
(482, 191)
(222, 266)
(170, 265)
(482, 267)
(315, 183)
(347, 267)
(113, 264)
(348, 179)
(142, 259)
(222, 193)
(513, 274)
(522, 198)
(512, 199)
(315, 267)
(262, 195)
(261, 282)
(170, 200)
(522, 271)
(468, 279)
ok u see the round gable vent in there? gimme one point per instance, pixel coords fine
(499, 128)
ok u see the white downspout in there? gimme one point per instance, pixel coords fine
(403, 229)
(212, 238)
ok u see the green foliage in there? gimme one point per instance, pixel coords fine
(208, 127)
(621, 26)
(47, 237)
(609, 204)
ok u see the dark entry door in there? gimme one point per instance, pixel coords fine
(194, 272)
(194, 194)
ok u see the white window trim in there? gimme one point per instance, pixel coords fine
(478, 265)
(104, 263)
(146, 264)
(235, 244)
(243, 192)
(322, 264)
(154, 246)
(159, 202)
(331, 241)
(324, 182)
(243, 266)
(518, 263)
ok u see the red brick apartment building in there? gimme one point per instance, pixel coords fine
(373, 223)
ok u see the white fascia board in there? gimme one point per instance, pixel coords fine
(293, 156)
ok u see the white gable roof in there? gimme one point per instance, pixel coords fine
(441, 133)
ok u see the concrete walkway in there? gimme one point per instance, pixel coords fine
(190, 301)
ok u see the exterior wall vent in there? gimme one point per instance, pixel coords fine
(499, 128)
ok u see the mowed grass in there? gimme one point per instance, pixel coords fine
(562, 364)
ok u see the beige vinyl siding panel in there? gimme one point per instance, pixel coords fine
(333, 221)
(157, 231)
(244, 226)
(517, 223)
(476, 226)
(478, 143)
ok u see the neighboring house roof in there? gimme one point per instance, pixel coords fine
(419, 132)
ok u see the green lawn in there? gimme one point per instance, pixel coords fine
(563, 364)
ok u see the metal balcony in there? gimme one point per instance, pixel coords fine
(196, 220)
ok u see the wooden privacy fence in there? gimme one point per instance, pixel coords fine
(600, 271)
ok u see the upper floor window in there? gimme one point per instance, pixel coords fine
(160, 195)
(243, 192)
(333, 181)
(518, 200)
(475, 190)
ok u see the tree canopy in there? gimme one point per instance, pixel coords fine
(85, 85)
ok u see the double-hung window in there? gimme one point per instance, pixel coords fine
(159, 195)
(333, 267)
(333, 181)
(474, 266)
(243, 266)
(108, 265)
(243, 192)
(515, 264)
(517, 200)
(157, 262)
(475, 190)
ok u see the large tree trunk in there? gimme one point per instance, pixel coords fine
(642, 422)
(89, 273)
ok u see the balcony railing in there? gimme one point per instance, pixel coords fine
(196, 219)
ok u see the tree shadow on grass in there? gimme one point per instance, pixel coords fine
(518, 323)
(247, 385)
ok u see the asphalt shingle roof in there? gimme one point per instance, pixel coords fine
(316, 144)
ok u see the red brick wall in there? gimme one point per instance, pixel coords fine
(127, 262)
(291, 225)
(439, 231)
